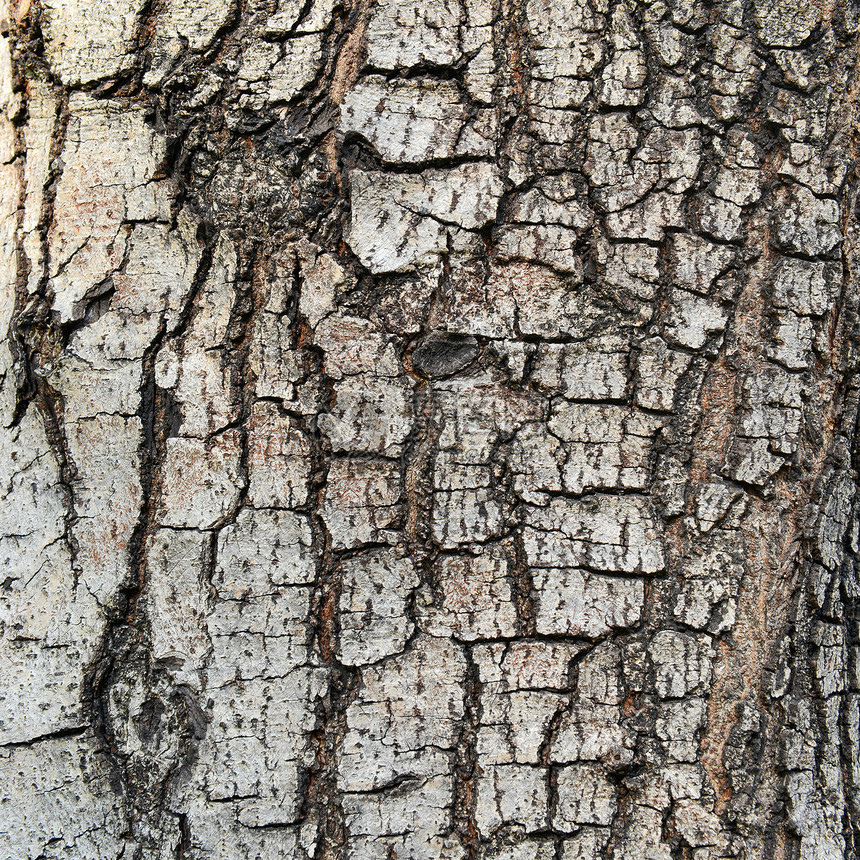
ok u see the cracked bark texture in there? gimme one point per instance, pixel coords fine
(428, 430)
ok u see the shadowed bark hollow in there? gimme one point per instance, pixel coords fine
(428, 430)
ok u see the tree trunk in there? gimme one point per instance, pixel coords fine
(429, 430)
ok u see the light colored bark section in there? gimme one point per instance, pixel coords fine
(427, 431)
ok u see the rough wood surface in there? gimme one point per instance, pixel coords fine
(428, 430)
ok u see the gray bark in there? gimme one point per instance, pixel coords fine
(428, 430)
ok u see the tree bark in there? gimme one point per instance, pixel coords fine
(428, 430)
